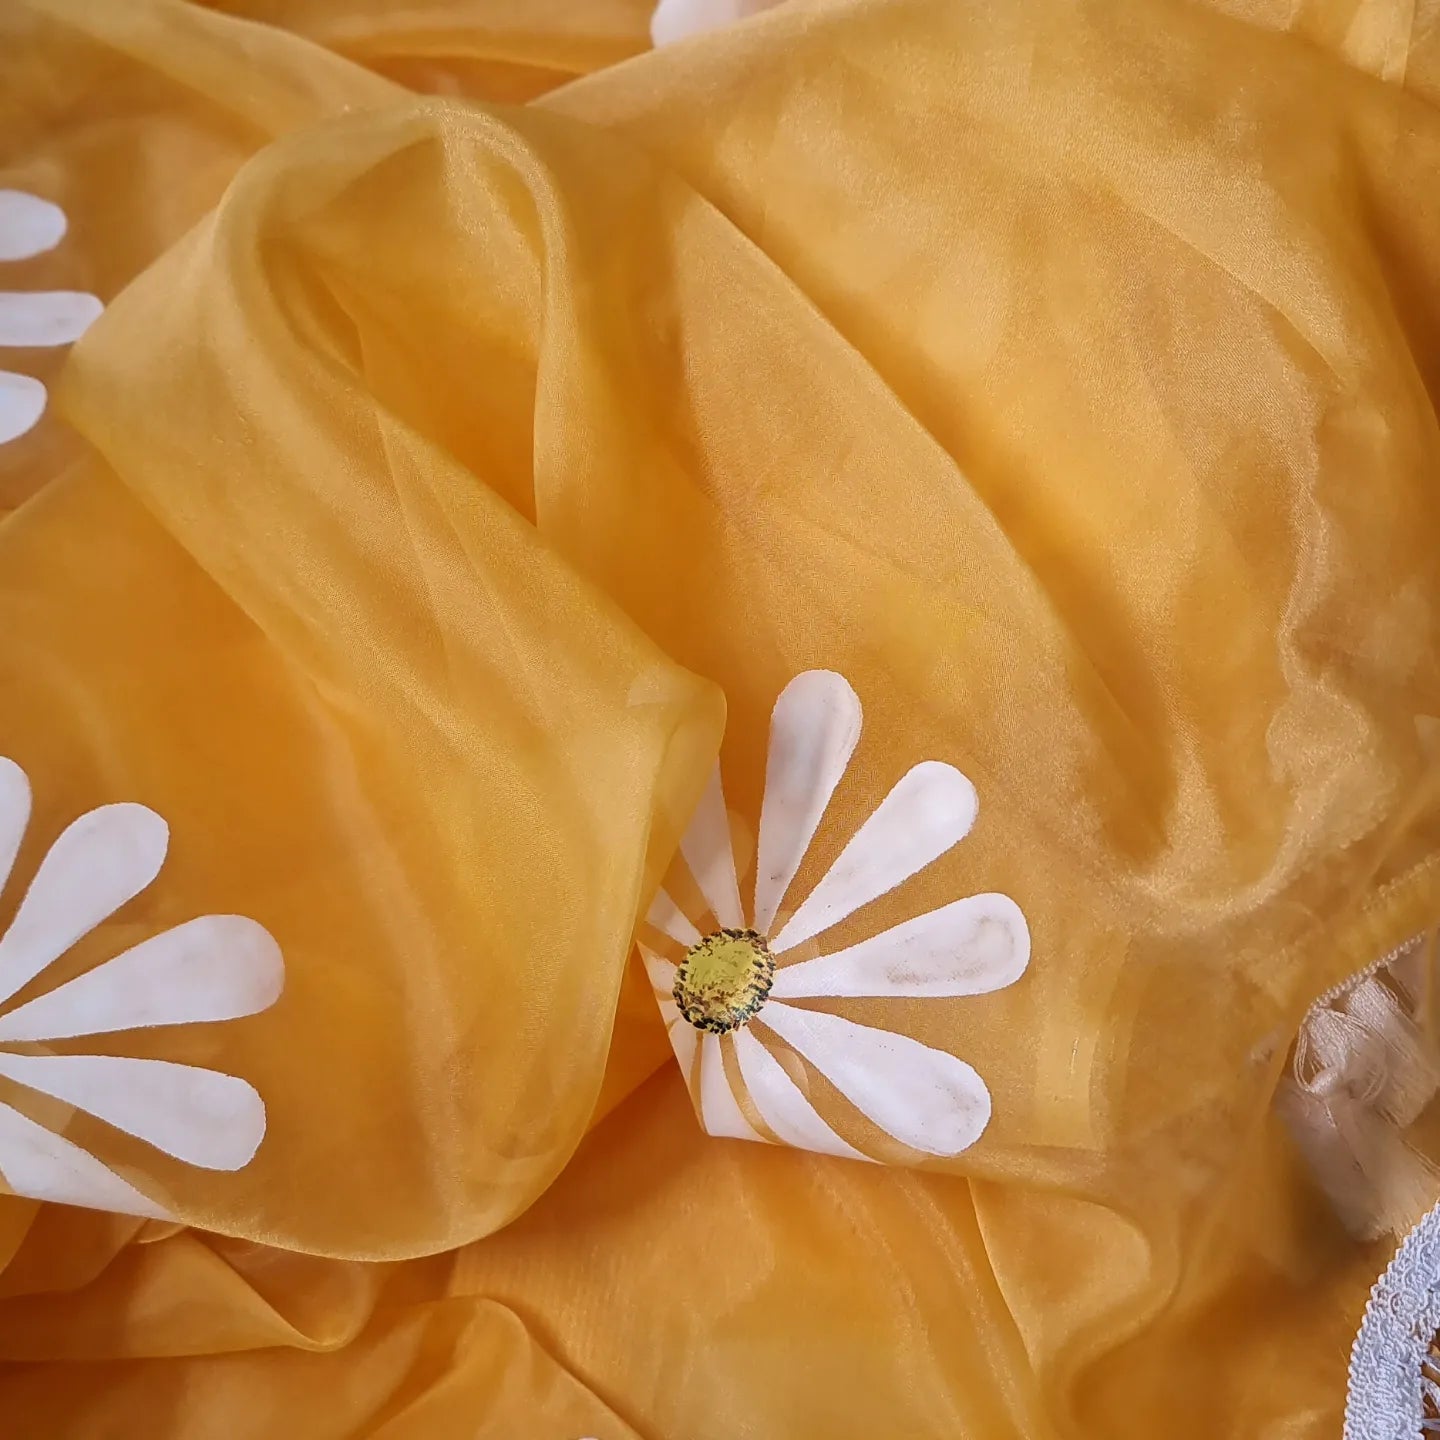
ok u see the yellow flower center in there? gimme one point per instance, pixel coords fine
(724, 980)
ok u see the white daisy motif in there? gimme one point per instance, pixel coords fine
(216, 967)
(30, 226)
(727, 1002)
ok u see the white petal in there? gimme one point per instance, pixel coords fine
(710, 856)
(720, 1112)
(46, 317)
(22, 403)
(679, 19)
(661, 972)
(924, 1098)
(37, 1163)
(28, 225)
(969, 947)
(665, 916)
(931, 808)
(781, 1103)
(200, 1116)
(813, 732)
(14, 814)
(684, 1037)
(218, 967)
(99, 862)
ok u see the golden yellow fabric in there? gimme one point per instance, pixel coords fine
(451, 480)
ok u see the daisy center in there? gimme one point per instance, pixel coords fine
(724, 980)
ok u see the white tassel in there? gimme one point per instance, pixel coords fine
(1364, 1068)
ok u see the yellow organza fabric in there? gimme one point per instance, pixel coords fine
(451, 472)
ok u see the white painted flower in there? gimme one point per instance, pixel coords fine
(216, 967)
(28, 318)
(680, 19)
(727, 991)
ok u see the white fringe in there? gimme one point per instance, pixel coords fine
(1366, 1063)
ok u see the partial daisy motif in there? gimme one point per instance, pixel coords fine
(743, 1046)
(30, 226)
(216, 967)
(680, 19)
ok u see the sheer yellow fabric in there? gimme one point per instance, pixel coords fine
(451, 481)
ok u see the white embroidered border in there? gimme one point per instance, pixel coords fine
(1387, 1386)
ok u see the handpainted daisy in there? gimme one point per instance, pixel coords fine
(216, 967)
(30, 226)
(746, 1050)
